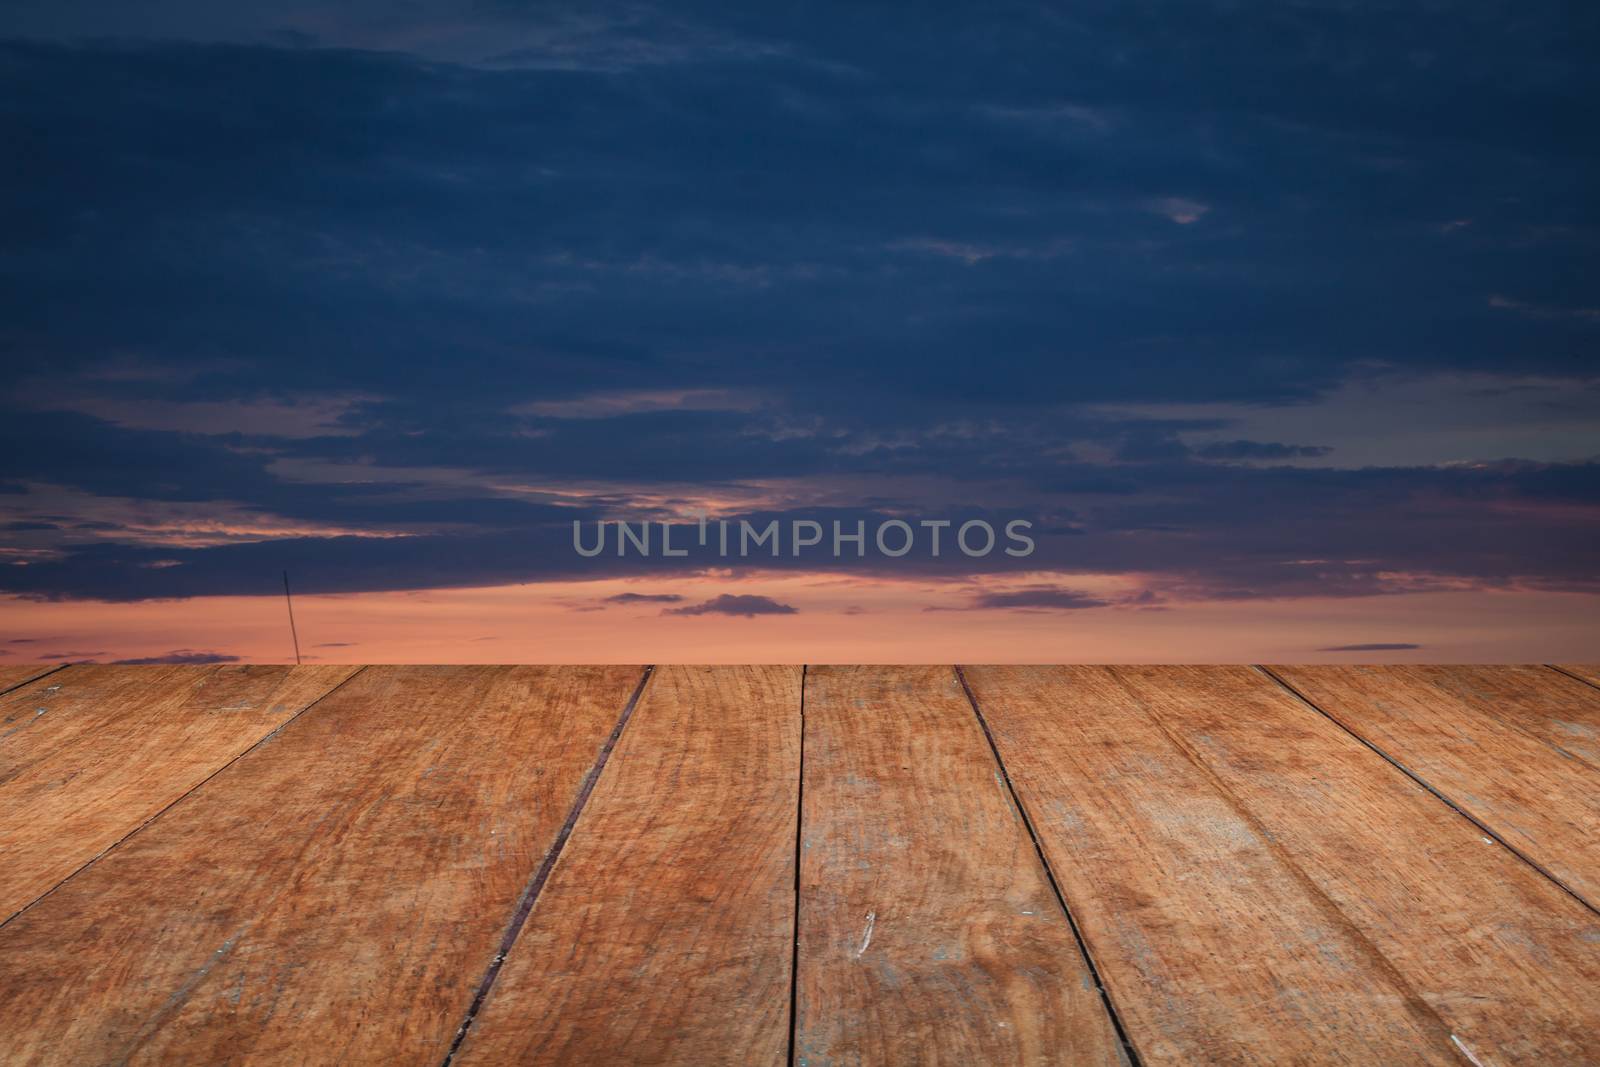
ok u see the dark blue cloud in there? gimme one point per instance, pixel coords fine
(1041, 598)
(1380, 646)
(935, 261)
(1270, 450)
(293, 218)
(744, 606)
(1187, 529)
(183, 655)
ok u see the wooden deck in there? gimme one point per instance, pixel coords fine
(819, 866)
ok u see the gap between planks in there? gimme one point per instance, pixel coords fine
(1130, 1054)
(1569, 674)
(263, 739)
(1483, 827)
(30, 679)
(799, 838)
(530, 895)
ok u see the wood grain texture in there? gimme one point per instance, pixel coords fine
(1501, 955)
(1213, 947)
(1517, 748)
(333, 896)
(665, 932)
(928, 929)
(1589, 672)
(15, 674)
(1544, 704)
(89, 754)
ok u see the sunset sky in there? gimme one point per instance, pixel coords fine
(1279, 321)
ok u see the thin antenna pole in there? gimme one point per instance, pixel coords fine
(289, 600)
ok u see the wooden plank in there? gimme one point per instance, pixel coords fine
(1589, 672)
(928, 928)
(89, 754)
(1212, 946)
(334, 895)
(1507, 959)
(1561, 710)
(16, 674)
(1517, 748)
(665, 932)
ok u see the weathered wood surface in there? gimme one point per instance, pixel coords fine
(333, 896)
(90, 753)
(1517, 748)
(1558, 710)
(15, 674)
(1506, 959)
(665, 932)
(1589, 672)
(1254, 883)
(928, 928)
(1213, 945)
